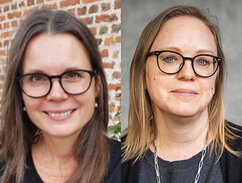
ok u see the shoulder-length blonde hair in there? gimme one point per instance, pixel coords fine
(141, 128)
(18, 133)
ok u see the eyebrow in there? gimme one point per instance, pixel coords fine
(39, 71)
(200, 51)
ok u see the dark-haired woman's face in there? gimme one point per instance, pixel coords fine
(183, 94)
(58, 114)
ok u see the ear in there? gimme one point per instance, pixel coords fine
(98, 85)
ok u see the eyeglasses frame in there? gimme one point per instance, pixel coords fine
(157, 53)
(91, 73)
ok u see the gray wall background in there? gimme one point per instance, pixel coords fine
(137, 13)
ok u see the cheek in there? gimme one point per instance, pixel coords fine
(208, 86)
(157, 86)
(208, 90)
(86, 99)
(31, 104)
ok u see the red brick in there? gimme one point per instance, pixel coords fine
(30, 2)
(6, 34)
(116, 75)
(50, 6)
(87, 20)
(2, 52)
(88, 1)
(109, 41)
(40, 1)
(71, 11)
(6, 25)
(115, 87)
(93, 9)
(108, 65)
(104, 53)
(14, 6)
(6, 43)
(14, 15)
(5, 1)
(106, 18)
(67, 3)
(115, 54)
(6, 8)
(105, 6)
(118, 39)
(117, 4)
(14, 23)
(103, 30)
(93, 30)
(116, 28)
(82, 11)
(112, 40)
(2, 18)
(21, 4)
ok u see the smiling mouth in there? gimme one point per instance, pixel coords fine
(59, 115)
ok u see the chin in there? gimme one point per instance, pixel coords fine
(185, 110)
(62, 132)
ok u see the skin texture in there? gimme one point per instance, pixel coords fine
(53, 55)
(180, 101)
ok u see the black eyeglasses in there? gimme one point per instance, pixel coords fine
(73, 82)
(171, 62)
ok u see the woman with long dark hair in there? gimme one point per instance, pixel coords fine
(55, 105)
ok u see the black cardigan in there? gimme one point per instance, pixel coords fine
(231, 165)
(113, 174)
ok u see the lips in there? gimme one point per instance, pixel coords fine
(59, 115)
(185, 92)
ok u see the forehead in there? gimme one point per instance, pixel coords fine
(55, 52)
(185, 32)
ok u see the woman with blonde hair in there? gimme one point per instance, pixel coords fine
(55, 106)
(176, 131)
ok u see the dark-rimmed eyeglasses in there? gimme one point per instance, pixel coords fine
(171, 62)
(73, 82)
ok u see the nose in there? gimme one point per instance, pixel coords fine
(56, 92)
(187, 72)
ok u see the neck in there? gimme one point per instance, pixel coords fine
(180, 138)
(53, 158)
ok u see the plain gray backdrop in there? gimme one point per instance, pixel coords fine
(136, 14)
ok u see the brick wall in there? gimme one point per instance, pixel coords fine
(103, 17)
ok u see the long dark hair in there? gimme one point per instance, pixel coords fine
(91, 148)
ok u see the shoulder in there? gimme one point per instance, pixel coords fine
(236, 143)
(231, 164)
(114, 168)
(130, 168)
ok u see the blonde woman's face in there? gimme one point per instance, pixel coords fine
(184, 94)
(58, 114)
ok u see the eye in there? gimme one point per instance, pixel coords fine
(73, 76)
(37, 78)
(203, 62)
(169, 59)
